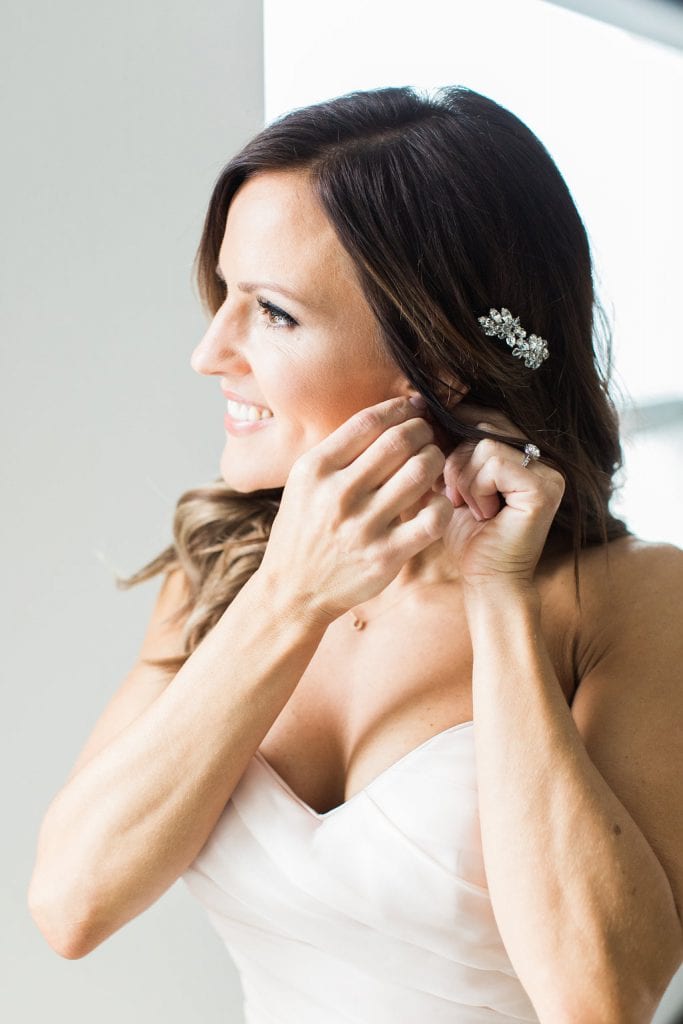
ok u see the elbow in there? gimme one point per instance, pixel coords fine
(69, 937)
(630, 1001)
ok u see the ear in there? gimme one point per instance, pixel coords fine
(449, 390)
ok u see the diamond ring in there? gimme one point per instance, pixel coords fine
(530, 452)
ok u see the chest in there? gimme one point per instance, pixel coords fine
(368, 698)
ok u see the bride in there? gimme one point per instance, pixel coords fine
(407, 715)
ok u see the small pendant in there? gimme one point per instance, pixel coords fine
(358, 623)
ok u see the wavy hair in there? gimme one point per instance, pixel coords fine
(448, 205)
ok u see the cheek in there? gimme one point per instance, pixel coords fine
(314, 394)
(313, 401)
(322, 402)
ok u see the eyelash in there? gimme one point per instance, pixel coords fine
(268, 307)
(272, 310)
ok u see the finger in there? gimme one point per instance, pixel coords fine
(486, 418)
(497, 468)
(428, 525)
(346, 443)
(484, 490)
(408, 484)
(387, 454)
(479, 490)
(453, 474)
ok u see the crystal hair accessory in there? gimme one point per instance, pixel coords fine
(533, 350)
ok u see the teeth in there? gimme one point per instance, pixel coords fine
(251, 413)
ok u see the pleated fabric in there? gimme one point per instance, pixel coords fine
(375, 912)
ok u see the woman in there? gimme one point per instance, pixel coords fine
(406, 717)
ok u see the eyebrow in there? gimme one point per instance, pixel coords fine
(251, 286)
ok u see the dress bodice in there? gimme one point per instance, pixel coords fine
(375, 912)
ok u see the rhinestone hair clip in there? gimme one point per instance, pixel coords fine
(533, 350)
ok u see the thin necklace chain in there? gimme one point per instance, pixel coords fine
(359, 622)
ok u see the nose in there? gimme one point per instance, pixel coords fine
(220, 349)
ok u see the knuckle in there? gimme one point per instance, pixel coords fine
(301, 467)
(385, 559)
(398, 442)
(487, 447)
(366, 421)
(557, 481)
(418, 430)
(421, 426)
(309, 466)
(453, 471)
(432, 454)
(437, 516)
(339, 494)
(419, 470)
(377, 559)
(537, 500)
(436, 456)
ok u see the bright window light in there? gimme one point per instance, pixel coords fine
(608, 105)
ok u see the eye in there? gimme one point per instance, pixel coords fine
(276, 317)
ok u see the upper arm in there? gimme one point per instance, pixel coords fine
(628, 707)
(143, 684)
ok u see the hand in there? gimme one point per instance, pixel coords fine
(492, 540)
(338, 539)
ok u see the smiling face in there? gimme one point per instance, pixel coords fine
(313, 358)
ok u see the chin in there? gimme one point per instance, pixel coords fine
(250, 479)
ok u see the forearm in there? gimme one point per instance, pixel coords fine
(576, 889)
(120, 832)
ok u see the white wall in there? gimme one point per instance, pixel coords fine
(115, 122)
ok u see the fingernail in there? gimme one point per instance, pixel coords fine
(418, 401)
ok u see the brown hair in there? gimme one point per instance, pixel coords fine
(448, 205)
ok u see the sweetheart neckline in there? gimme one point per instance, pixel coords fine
(321, 816)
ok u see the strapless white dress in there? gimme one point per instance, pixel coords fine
(376, 912)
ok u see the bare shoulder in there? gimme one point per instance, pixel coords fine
(628, 640)
(630, 591)
(629, 558)
(634, 581)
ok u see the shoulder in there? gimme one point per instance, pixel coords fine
(630, 591)
(632, 559)
(606, 566)
(628, 641)
(632, 585)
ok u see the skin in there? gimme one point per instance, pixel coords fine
(547, 772)
(313, 376)
(579, 805)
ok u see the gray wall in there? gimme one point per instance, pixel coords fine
(115, 122)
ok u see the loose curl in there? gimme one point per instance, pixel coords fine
(447, 205)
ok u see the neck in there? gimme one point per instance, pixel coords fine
(433, 567)
(430, 567)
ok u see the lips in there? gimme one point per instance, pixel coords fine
(242, 400)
